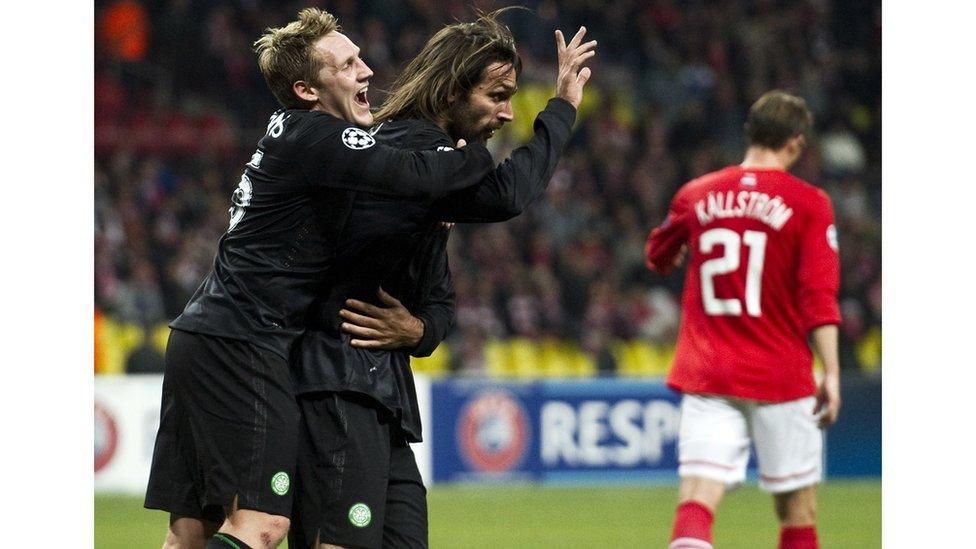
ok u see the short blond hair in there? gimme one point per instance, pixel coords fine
(285, 54)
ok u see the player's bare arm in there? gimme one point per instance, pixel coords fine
(828, 392)
(570, 79)
(383, 328)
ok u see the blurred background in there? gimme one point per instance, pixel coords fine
(560, 292)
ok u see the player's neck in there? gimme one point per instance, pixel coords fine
(442, 124)
(761, 158)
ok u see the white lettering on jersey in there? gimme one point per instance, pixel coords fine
(756, 205)
(357, 139)
(442, 148)
(256, 159)
(241, 200)
(276, 125)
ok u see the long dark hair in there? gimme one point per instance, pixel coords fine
(451, 64)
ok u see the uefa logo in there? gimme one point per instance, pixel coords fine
(493, 431)
(106, 437)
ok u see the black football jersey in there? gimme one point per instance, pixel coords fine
(399, 244)
(288, 211)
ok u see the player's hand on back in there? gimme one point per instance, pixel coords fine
(828, 401)
(570, 78)
(385, 328)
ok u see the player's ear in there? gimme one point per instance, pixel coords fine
(801, 141)
(305, 91)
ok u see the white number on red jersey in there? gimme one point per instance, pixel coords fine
(729, 263)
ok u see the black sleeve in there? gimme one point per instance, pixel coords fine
(344, 157)
(438, 311)
(522, 178)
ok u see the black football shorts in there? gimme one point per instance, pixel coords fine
(358, 484)
(228, 428)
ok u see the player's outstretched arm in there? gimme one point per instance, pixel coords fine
(524, 176)
(351, 159)
(828, 393)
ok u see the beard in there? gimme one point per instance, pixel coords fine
(463, 123)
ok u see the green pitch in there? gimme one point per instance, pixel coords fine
(530, 516)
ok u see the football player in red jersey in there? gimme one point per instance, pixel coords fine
(762, 277)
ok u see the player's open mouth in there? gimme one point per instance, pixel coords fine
(361, 97)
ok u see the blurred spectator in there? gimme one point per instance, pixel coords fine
(123, 31)
(145, 359)
(179, 105)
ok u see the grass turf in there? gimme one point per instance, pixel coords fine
(568, 517)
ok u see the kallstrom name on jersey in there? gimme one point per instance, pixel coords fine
(756, 205)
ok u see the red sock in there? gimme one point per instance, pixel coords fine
(692, 527)
(801, 537)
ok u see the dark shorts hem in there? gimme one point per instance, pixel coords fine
(228, 428)
(359, 485)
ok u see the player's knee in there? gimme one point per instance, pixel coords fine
(187, 532)
(273, 530)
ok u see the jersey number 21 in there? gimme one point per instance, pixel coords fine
(729, 262)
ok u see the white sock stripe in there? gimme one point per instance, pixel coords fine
(689, 543)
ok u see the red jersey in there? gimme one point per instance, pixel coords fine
(763, 271)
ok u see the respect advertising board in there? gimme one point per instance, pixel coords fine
(554, 431)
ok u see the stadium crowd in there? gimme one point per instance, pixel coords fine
(180, 105)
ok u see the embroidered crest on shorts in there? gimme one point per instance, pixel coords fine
(357, 139)
(360, 515)
(280, 483)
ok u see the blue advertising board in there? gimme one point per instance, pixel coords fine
(554, 431)
(483, 431)
(608, 430)
(601, 431)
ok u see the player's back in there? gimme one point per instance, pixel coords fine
(762, 272)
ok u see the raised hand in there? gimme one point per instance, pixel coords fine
(571, 79)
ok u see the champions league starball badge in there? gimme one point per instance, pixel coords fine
(357, 139)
